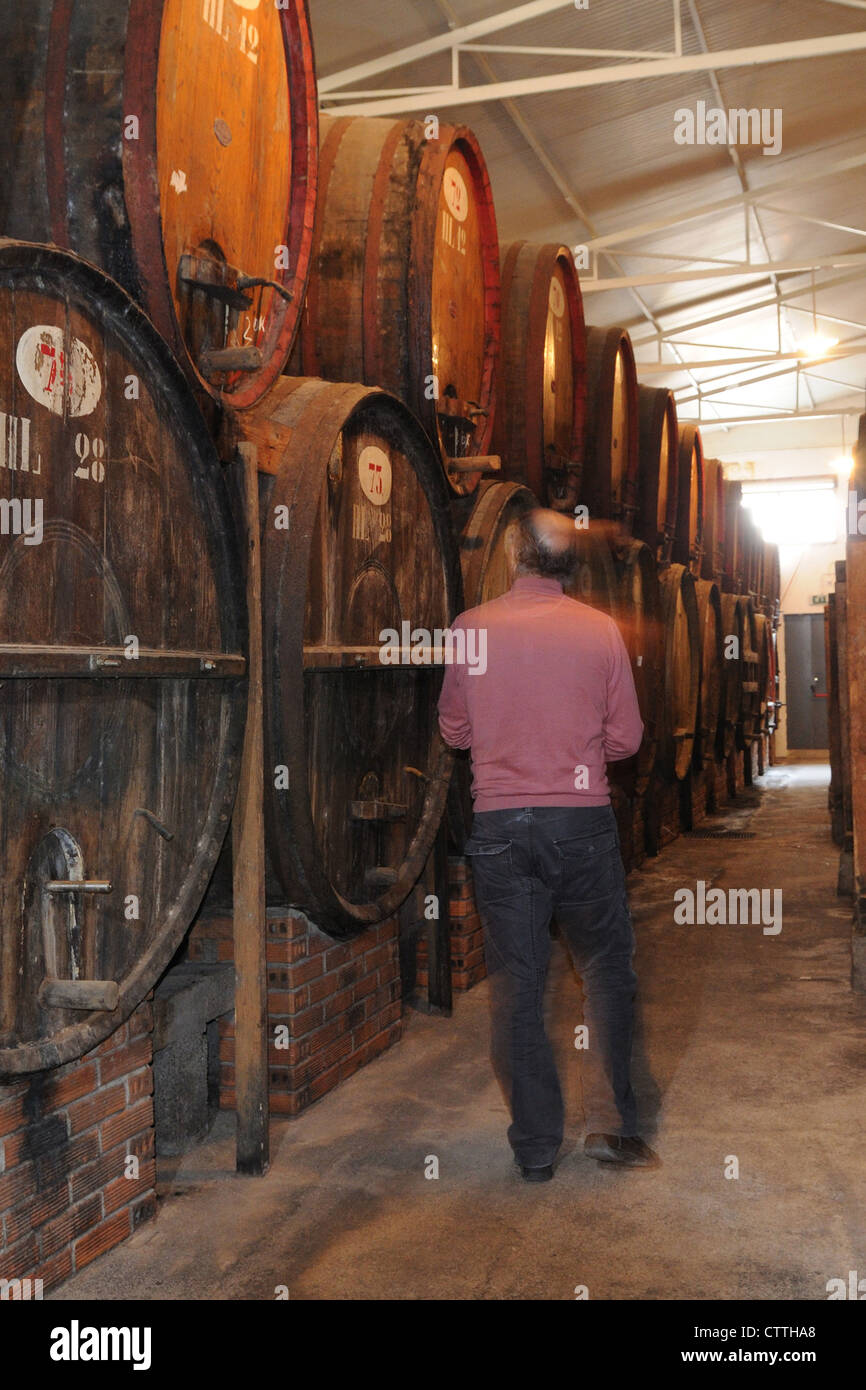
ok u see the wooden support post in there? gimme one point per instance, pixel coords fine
(248, 858)
(439, 928)
(414, 923)
(855, 628)
(831, 650)
(845, 881)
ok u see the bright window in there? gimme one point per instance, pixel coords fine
(796, 512)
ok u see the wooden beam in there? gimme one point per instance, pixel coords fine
(248, 858)
(845, 882)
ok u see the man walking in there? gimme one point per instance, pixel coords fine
(553, 703)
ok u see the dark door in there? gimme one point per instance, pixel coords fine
(806, 680)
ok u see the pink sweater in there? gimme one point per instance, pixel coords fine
(555, 703)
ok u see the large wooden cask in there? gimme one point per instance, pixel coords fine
(173, 143)
(709, 601)
(689, 534)
(639, 616)
(766, 646)
(610, 462)
(122, 674)
(658, 453)
(713, 556)
(360, 582)
(731, 672)
(771, 582)
(682, 657)
(404, 291)
(732, 576)
(541, 406)
(741, 698)
(750, 545)
(482, 539)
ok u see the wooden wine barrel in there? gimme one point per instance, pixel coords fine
(688, 543)
(748, 727)
(482, 541)
(357, 552)
(404, 290)
(173, 143)
(541, 409)
(596, 581)
(732, 577)
(682, 646)
(709, 601)
(658, 452)
(731, 672)
(122, 674)
(772, 582)
(713, 557)
(750, 544)
(485, 576)
(610, 460)
(766, 648)
(640, 622)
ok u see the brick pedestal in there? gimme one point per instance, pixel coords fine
(467, 937)
(67, 1189)
(332, 1006)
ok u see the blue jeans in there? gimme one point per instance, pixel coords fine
(528, 864)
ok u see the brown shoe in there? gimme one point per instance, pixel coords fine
(627, 1151)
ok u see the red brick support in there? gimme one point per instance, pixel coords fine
(68, 1192)
(332, 1006)
(467, 936)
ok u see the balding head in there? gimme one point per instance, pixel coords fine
(543, 543)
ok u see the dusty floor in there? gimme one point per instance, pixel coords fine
(750, 1045)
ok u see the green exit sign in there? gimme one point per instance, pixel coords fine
(819, 598)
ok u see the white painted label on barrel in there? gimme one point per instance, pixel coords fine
(557, 299)
(374, 470)
(456, 194)
(42, 367)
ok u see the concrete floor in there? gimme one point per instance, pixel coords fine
(749, 1045)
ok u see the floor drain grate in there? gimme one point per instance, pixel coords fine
(720, 835)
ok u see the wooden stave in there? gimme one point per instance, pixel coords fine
(643, 638)
(518, 435)
(299, 876)
(731, 674)
(709, 601)
(654, 404)
(496, 504)
(749, 543)
(675, 755)
(732, 578)
(603, 345)
(687, 548)
(713, 556)
(404, 172)
(766, 675)
(596, 582)
(75, 279)
(120, 229)
(748, 723)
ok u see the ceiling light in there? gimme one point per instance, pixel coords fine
(816, 345)
(843, 466)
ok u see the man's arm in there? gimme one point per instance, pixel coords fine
(623, 726)
(454, 724)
